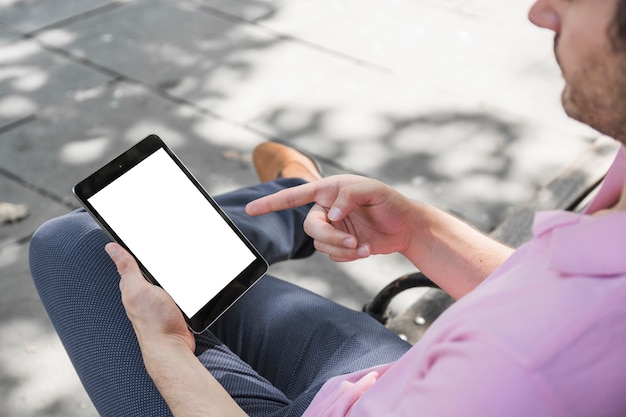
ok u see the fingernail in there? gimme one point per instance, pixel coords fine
(111, 249)
(364, 251)
(334, 214)
(350, 243)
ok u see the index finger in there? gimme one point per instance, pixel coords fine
(284, 199)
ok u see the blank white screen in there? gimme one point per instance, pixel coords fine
(173, 230)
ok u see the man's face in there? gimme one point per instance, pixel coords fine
(593, 69)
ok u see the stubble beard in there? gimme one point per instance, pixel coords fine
(595, 95)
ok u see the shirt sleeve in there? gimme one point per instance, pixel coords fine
(454, 378)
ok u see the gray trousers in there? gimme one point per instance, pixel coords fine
(272, 351)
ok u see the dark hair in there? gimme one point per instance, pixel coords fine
(618, 28)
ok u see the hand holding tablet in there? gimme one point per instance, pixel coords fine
(199, 258)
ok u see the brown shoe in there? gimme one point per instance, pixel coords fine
(273, 160)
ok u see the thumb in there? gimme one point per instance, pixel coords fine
(349, 198)
(122, 259)
(126, 265)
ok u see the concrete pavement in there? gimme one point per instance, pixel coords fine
(451, 101)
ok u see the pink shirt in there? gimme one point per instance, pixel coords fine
(544, 335)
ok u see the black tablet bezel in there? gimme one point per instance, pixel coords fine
(215, 307)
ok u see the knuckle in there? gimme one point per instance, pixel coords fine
(291, 201)
(308, 226)
(123, 265)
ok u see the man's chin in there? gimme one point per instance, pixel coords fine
(571, 105)
(568, 103)
(580, 110)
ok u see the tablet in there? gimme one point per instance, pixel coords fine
(183, 242)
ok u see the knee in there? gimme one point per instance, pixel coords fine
(55, 241)
(54, 234)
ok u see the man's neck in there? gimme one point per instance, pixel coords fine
(621, 203)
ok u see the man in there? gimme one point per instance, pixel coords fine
(535, 332)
